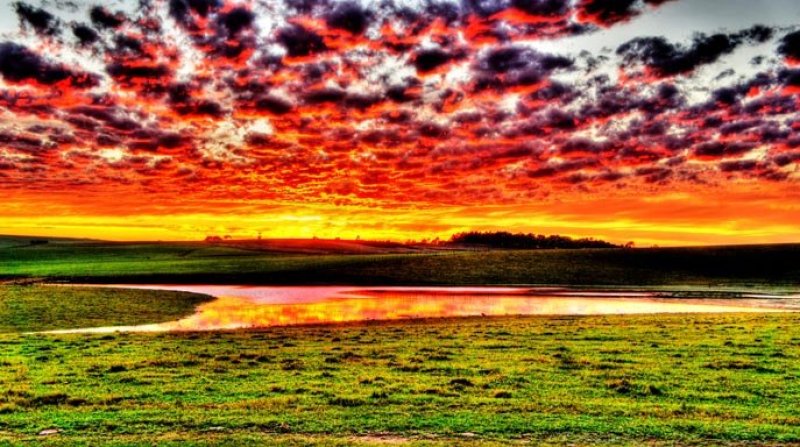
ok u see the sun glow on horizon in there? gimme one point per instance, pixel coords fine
(652, 220)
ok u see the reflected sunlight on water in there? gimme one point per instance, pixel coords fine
(256, 306)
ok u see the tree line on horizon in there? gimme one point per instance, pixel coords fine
(505, 239)
(485, 239)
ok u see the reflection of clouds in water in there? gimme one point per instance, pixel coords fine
(242, 307)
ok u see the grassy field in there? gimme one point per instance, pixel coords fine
(658, 380)
(39, 308)
(104, 262)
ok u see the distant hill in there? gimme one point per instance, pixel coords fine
(319, 246)
(21, 241)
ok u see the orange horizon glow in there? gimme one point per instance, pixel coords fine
(719, 216)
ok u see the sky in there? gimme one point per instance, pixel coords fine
(664, 122)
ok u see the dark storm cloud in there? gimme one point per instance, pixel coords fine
(607, 12)
(128, 46)
(82, 123)
(260, 140)
(153, 140)
(771, 105)
(21, 143)
(772, 132)
(790, 78)
(654, 174)
(538, 18)
(583, 145)
(199, 107)
(84, 34)
(128, 73)
(105, 19)
(182, 10)
(722, 148)
(232, 36)
(448, 12)
(402, 93)
(610, 102)
(111, 117)
(349, 16)
(7, 165)
(324, 95)
(430, 59)
(505, 66)
(300, 41)
(756, 34)
(559, 119)
(215, 30)
(514, 58)
(555, 91)
(19, 64)
(786, 159)
(306, 6)
(179, 93)
(669, 59)
(543, 8)
(361, 101)
(484, 7)
(789, 46)
(319, 96)
(738, 165)
(726, 95)
(274, 104)
(236, 20)
(738, 126)
(184, 99)
(558, 168)
(432, 130)
(105, 140)
(40, 20)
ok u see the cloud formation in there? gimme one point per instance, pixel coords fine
(388, 103)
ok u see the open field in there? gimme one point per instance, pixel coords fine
(655, 380)
(38, 308)
(660, 380)
(769, 266)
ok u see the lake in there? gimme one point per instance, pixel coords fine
(237, 307)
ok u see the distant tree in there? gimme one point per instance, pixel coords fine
(213, 238)
(227, 237)
(630, 244)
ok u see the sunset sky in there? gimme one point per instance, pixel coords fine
(663, 122)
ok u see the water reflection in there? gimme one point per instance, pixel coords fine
(245, 306)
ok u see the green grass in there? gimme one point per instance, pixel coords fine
(100, 261)
(40, 308)
(660, 380)
(772, 266)
(614, 380)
